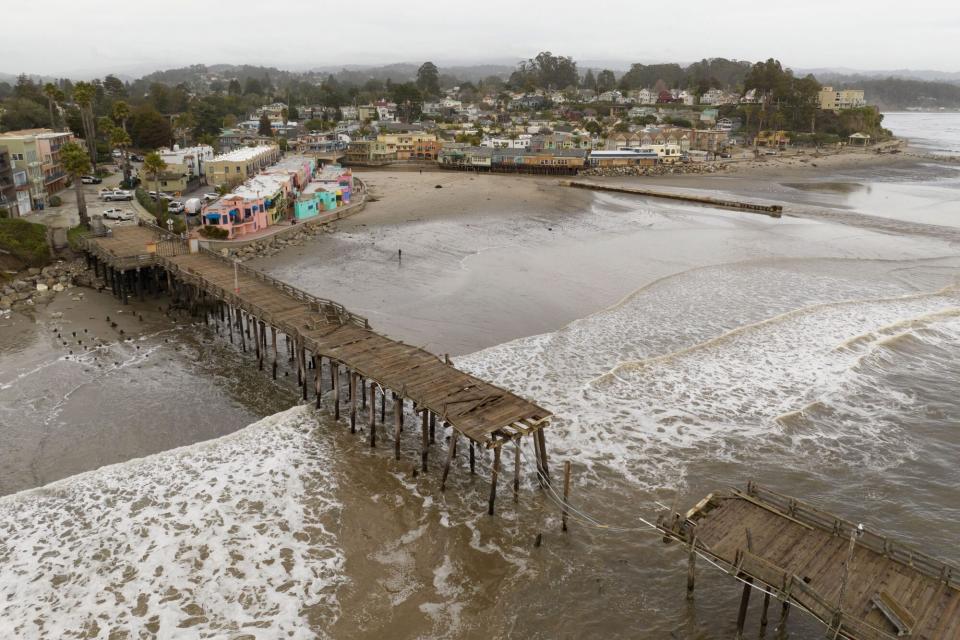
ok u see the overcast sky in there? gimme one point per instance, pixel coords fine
(74, 37)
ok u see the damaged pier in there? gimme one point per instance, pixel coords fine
(338, 349)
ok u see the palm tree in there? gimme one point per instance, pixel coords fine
(121, 113)
(54, 95)
(83, 94)
(77, 163)
(153, 166)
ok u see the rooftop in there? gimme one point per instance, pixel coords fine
(244, 153)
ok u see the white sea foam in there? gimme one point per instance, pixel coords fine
(664, 370)
(235, 536)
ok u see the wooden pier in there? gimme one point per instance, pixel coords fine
(772, 210)
(859, 584)
(321, 335)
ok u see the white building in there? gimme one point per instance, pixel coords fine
(190, 160)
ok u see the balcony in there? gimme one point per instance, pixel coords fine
(54, 177)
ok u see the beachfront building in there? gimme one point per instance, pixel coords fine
(234, 167)
(837, 100)
(411, 145)
(332, 187)
(462, 157)
(322, 142)
(369, 152)
(36, 153)
(624, 157)
(556, 161)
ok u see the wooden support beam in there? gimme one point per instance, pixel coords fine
(229, 321)
(472, 459)
(516, 470)
(302, 356)
(433, 427)
(383, 407)
(335, 379)
(566, 494)
(691, 567)
(273, 341)
(317, 367)
(363, 395)
(782, 623)
(243, 339)
(493, 480)
(256, 339)
(353, 402)
(451, 452)
(543, 453)
(744, 603)
(373, 415)
(397, 424)
(424, 440)
(763, 614)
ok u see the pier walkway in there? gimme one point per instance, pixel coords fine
(859, 584)
(144, 260)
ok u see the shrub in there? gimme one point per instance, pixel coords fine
(214, 233)
(26, 241)
(55, 201)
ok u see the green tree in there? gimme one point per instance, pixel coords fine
(428, 79)
(293, 113)
(113, 86)
(121, 113)
(183, 125)
(120, 139)
(234, 88)
(148, 128)
(21, 113)
(54, 97)
(76, 162)
(264, 127)
(589, 81)
(83, 96)
(154, 166)
(606, 80)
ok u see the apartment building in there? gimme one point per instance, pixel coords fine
(8, 191)
(240, 164)
(36, 154)
(837, 100)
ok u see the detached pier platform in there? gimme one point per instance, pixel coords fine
(861, 585)
(324, 338)
(772, 210)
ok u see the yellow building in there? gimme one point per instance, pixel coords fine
(240, 164)
(406, 145)
(836, 100)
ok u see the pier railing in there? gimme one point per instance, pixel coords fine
(810, 515)
(321, 305)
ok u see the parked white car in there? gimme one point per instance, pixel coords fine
(118, 214)
(175, 206)
(210, 197)
(109, 195)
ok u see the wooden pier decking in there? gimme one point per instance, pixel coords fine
(859, 584)
(136, 260)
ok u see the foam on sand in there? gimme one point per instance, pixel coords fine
(233, 536)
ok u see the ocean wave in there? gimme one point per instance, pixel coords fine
(234, 536)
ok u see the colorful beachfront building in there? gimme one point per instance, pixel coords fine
(332, 187)
(291, 186)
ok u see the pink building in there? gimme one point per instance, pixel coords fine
(238, 214)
